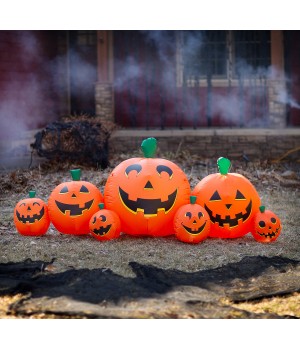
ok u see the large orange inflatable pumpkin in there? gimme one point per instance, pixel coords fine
(191, 222)
(267, 226)
(31, 216)
(146, 192)
(105, 224)
(230, 200)
(71, 205)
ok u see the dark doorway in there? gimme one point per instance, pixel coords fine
(292, 69)
(83, 71)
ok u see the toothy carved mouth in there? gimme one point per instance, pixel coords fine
(269, 235)
(231, 222)
(149, 207)
(194, 232)
(74, 209)
(31, 218)
(102, 230)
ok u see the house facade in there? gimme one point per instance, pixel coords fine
(152, 79)
(217, 92)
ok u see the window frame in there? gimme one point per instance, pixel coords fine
(229, 78)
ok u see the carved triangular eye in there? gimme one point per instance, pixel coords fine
(215, 196)
(64, 190)
(239, 195)
(84, 189)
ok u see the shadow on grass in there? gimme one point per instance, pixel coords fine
(248, 279)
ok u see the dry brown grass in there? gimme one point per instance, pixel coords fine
(167, 253)
(280, 305)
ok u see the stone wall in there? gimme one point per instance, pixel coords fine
(256, 144)
(277, 107)
(104, 101)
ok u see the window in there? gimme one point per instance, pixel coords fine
(251, 48)
(220, 55)
(86, 37)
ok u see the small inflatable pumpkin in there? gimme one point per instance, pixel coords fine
(146, 192)
(230, 200)
(267, 226)
(105, 224)
(31, 216)
(191, 222)
(71, 205)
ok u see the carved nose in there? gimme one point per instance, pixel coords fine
(73, 195)
(228, 206)
(148, 185)
(28, 208)
(194, 222)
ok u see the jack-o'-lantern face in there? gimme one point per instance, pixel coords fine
(157, 188)
(267, 226)
(146, 193)
(31, 216)
(191, 222)
(231, 202)
(105, 224)
(71, 205)
(74, 199)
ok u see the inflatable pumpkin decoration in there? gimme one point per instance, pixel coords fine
(105, 224)
(72, 204)
(146, 193)
(191, 222)
(230, 200)
(31, 216)
(267, 226)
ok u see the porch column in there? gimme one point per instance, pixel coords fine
(104, 97)
(277, 85)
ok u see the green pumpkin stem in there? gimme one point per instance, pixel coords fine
(75, 173)
(223, 165)
(262, 208)
(101, 205)
(193, 199)
(32, 194)
(149, 147)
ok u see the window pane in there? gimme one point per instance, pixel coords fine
(252, 51)
(204, 54)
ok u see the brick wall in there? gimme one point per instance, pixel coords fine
(104, 101)
(277, 107)
(257, 144)
(212, 143)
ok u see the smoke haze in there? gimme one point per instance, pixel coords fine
(248, 83)
(25, 84)
(30, 83)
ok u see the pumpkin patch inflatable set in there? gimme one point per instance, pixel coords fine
(31, 216)
(146, 192)
(191, 222)
(71, 205)
(105, 224)
(267, 226)
(149, 196)
(230, 200)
